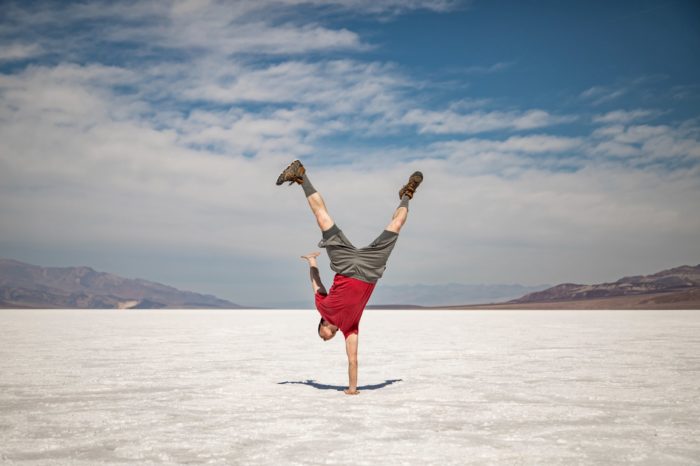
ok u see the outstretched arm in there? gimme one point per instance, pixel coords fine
(351, 350)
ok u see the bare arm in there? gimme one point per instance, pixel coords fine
(351, 350)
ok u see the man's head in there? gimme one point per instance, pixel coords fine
(326, 330)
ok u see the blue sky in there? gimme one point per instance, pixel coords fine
(560, 140)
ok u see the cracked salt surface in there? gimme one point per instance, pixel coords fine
(259, 387)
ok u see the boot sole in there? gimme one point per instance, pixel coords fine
(297, 177)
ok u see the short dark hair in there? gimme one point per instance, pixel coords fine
(320, 322)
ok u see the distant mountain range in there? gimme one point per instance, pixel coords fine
(682, 280)
(25, 285)
(451, 294)
(677, 288)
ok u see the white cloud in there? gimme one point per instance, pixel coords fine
(488, 69)
(338, 96)
(644, 144)
(529, 144)
(218, 28)
(616, 149)
(451, 122)
(600, 94)
(343, 85)
(630, 88)
(282, 131)
(218, 35)
(384, 6)
(511, 157)
(19, 51)
(623, 116)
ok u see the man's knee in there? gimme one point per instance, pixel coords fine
(324, 220)
(395, 225)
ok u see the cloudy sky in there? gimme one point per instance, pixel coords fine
(560, 141)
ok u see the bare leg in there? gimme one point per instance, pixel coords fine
(406, 194)
(315, 274)
(318, 207)
(398, 220)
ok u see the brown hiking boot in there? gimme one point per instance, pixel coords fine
(293, 173)
(413, 182)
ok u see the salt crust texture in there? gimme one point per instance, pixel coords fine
(259, 387)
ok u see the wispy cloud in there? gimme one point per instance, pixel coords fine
(344, 84)
(451, 122)
(624, 116)
(598, 95)
(487, 69)
(533, 144)
(19, 51)
(627, 88)
(641, 145)
(382, 6)
(222, 28)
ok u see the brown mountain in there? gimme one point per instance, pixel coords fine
(25, 285)
(677, 288)
(678, 280)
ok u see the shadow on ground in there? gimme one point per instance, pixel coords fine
(323, 386)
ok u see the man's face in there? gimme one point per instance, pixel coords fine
(326, 331)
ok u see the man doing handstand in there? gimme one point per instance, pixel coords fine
(357, 269)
